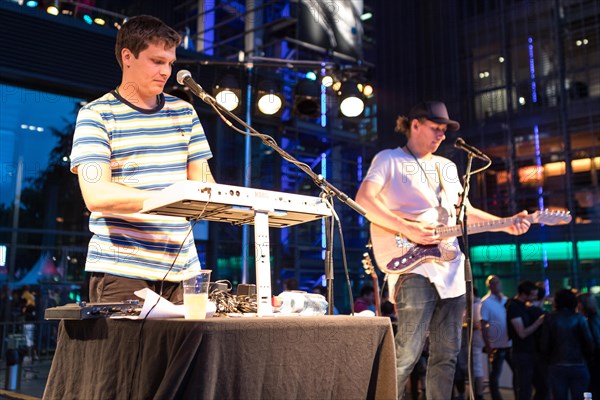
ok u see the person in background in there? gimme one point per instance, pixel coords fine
(366, 300)
(495, 332)
(567, 342)
(587, 305)
(540, 372)
(478, 345)
(29, 313)
(521, 329)
(127, 146)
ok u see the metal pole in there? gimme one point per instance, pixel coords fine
(251, 20)
(14, 235)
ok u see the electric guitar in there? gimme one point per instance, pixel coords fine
(396, 254)
(369, 269)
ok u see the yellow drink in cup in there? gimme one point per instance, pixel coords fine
(195, 295)
(195, 305)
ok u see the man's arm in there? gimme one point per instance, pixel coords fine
(523, 332)
(520, 226)
(485, 332)
(377, 213)
(102, 195)
(199, 171)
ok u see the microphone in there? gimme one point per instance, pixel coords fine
(461, 144)
(184, 77)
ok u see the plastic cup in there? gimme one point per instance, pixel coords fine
(195, 295)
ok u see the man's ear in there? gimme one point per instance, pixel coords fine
(126, 57)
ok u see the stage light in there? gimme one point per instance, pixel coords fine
(31, 4)
(88, 19)
(307, 99)
(228, 93)
(67, 9)
(99, 21)
(336, 86)
(311, 75)
(327, 81)
(270, 100)
(368, 90)
(52, 10)
(352, 102)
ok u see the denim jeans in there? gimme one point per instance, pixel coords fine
(572, 378)
(422, 312)
(497, 362)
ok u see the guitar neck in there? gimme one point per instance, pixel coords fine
(455, 231)
(376, 290)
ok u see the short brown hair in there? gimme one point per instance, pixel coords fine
(138, 32)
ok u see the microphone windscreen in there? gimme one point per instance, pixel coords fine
(181, 75)
(459, 142)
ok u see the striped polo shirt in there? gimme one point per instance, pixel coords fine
(148, 150)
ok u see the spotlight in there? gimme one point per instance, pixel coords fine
(67, 9)
(307, 99)
(228, 92)
(311, 75)
(88, 19)
(327, 81)
(336, 86)
(31, 4)
(270, 100)
(52, 10)
(352, 102)
(367, 90)
(99, 21)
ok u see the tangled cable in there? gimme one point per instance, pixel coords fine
(227, 302)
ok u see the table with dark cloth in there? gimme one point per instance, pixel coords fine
(327, 357)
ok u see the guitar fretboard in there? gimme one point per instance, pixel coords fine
(454, 231)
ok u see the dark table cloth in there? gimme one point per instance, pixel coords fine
(327, 357)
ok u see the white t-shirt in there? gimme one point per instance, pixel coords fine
(493, 311)
(407, 192)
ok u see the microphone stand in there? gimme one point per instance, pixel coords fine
(328, 190)
(461, 219)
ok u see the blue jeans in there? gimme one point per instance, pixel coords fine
(571, 378)
(497, 362)
(421, 312)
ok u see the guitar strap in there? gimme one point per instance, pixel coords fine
(442, 212)
(392, 279)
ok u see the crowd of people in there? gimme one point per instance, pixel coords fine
(552, 354)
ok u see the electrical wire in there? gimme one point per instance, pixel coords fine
(140, 333)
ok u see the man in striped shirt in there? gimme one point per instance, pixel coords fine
(128, 145)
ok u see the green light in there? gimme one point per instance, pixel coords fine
(554, 251)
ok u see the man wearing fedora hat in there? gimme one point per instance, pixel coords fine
(403, 189)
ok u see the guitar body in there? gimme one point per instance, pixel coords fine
(395, 254)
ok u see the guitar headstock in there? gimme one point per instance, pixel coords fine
(551, 217)
(368, 264)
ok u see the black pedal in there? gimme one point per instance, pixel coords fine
(83, 310)
(246, 290)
